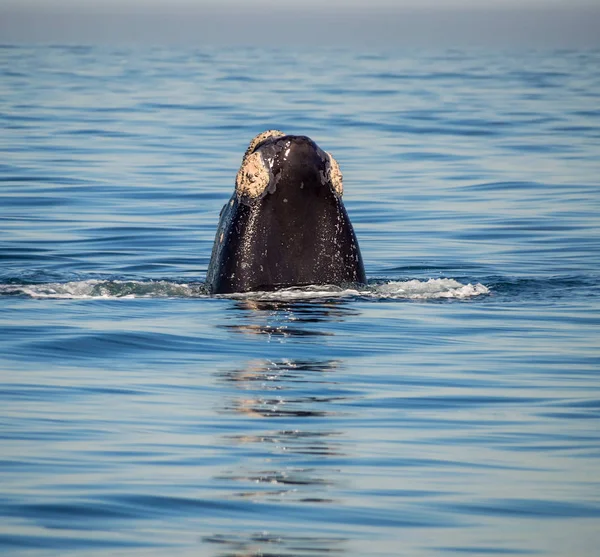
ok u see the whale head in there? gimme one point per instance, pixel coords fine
(285, 224)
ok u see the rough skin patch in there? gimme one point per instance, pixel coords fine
(259, 139)
(335, 175)
(253, 177)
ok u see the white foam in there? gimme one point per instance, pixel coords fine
(430, 289)
(411, 290)
(111, 289)
(103, 289)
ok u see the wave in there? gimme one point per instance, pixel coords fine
(99, 289)
(431, 289)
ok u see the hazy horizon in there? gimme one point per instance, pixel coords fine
(446, 23)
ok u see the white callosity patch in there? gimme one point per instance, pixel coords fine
(253, 176)
(259, 139)
(335, 176)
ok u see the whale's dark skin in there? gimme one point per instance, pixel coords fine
(296, 232)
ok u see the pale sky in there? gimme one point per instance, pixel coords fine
(358, 23)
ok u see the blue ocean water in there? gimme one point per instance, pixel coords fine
(450, 408)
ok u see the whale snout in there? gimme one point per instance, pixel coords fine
(295, 160)
(298, 160)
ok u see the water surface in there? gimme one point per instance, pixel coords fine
(451, 407)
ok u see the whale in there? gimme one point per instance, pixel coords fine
(285, 224)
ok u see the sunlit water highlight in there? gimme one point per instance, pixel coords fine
(451, 407)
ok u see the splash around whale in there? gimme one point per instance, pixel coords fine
(108, 289)
(285, 224)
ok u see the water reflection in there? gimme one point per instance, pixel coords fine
(291, 443)
(292, 391)
(263, 544)
(286, 319)
(271, 384)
